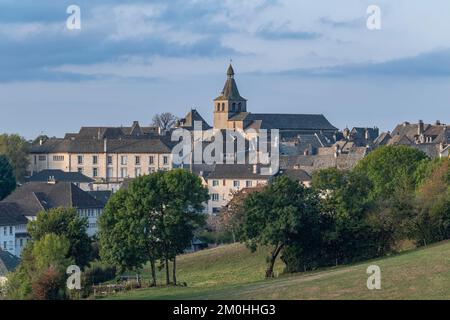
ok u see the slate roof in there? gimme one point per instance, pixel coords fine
(8, 262)
(59, 175)
(230, 90)
(286, 121)
(10, 215)
(236, 171)
(188, 121)
(148, 145)
(33, 197)
(297, 175)
(101, 195)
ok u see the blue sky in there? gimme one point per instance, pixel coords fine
(132, 59)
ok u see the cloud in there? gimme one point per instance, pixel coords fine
(429, 64)
(270, 32)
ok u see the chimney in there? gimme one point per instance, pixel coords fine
(41, 141)
(51, 180)
(105, 145)
(420, 127)
(366, 134)
(438, 122)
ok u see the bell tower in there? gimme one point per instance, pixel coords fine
(229, 103)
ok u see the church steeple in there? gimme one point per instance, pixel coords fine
(229, 102)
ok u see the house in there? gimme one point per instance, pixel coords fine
(13, 232)
(227, 179)
(432, 139)
(33, 197)
(108, 155)
(299, 175)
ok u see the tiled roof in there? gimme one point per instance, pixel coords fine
(59, 175)
(297, 174)
(189, 120)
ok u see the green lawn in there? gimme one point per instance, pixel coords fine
(232, 272)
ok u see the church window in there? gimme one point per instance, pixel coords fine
(239, 106)
(233, 106)
(223, 106)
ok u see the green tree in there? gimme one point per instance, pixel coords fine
(7, 179)
(284, 213)
(391, 167)
(154, 219)
(41, 272)
(67, 223)
(16, 149)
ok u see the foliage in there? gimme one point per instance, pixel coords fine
(154, 219)
(282, 214)
(41, 272)
(16, 149)
(7, 179)
(389, 167)
(67, 223)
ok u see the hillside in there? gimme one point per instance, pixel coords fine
(232, 272)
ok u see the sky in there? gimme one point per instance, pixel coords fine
(133, 59)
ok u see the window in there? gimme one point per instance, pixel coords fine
(233, 106)
(95, 172)
(236, 183)
(123, 160)
(42, 158)
(151, 159)
(123, 172)
(80, 170)
(10, 230)
(137, 160)
(215, 197)
(248, 183)
(4, 231)
(215, 183)
(109, 172)
(80, 159)
(94, 159)
(151, 170)
(239, 106)
(137, 172)
(109, 160)
(4, 244)
(223, 106)
(165, 160)
(21, 242)
(35, 160)
(58, 158)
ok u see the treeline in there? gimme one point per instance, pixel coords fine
(396, 193)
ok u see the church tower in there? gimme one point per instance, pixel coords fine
(229, 103)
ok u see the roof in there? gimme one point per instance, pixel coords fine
(8, 262)
(230, 90)
(10, 215)
(101, 195)
(286, 121)
(297, 175)
(236, 171)
(59, 175)
(189, 120)
(33, 197)
(142, 145)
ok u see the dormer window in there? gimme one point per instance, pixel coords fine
(240, 106)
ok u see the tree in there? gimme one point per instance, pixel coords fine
(280, 215)
(391, 167)
(7, 179)
(67, 223)
(16, 149)
(153, 219)
(164, 121)
(127, 227)
(181, 214)
(41, 272)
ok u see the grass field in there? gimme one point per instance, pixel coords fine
(232, 272)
